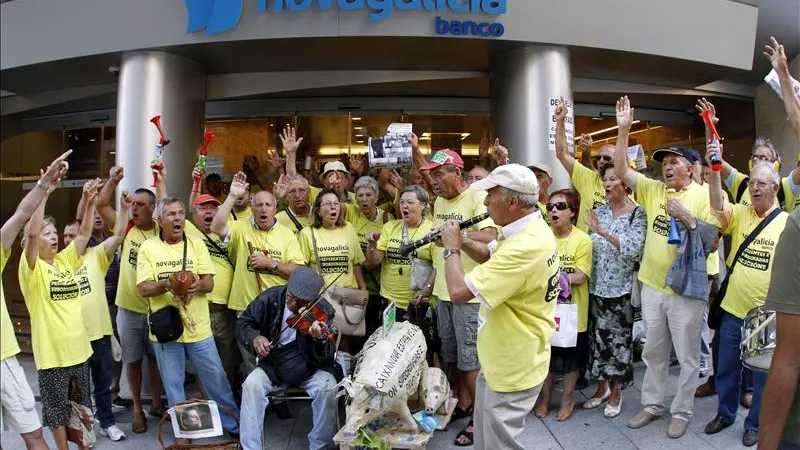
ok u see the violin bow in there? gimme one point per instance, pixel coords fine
(312, 305)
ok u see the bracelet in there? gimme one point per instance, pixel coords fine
(41, 185)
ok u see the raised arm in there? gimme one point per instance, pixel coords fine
(34, 229)
(111, 244)
(705, 105)
(374, 256)
(290, 145)
(717, 196)
(419, 159)
(106, 196)
(238, 187)
(562, 151)
(791, 101)
(624, 121)
(89, 197)
(585, 143)
(52, 176)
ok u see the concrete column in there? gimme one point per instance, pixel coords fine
(523, 82)
(153, 83)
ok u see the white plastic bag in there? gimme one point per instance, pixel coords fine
(566, 334)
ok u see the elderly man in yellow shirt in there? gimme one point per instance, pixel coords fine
(748, 284)
(516, 283)
(671, 320)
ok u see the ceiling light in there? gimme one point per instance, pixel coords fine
(92, 140)
(356, 118)
(606, 130)
(359, 135)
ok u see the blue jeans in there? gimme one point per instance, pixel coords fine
(729, 375)
(171, 359)
(101, 365)
(254, 404)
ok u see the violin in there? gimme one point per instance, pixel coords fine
(305, 318)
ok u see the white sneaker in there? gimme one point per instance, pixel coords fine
(113, 432)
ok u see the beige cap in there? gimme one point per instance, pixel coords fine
(513, 177)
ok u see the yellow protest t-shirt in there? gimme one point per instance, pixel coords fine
(157, 261)
(465, 206)
(53, 299)
(364, 225)
(745, 199)
(283, 219)
(243, 215)
(92, 283)
(339, 251)
(575, 252)
(127, 293)
(591, 189)
(279, 243)
(749, 282)
(658, 254)
(223, 270)
(543, 210)
(8, 340)
(519, 284)
(396, 268)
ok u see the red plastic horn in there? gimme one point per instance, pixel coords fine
(207, 138)
(156, 120)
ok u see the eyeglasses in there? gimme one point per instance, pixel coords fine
(605, 158)
(561, 206)
(759, 184)
(330, 204)
(759, 158)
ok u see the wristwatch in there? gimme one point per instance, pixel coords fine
(274, 267)
(448, 252)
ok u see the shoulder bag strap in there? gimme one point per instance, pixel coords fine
(233, 214)
(782, 197)
(752, 236)
(293, 219)
(742, 188)
(633, 214)
(219, 249)
(316, 253)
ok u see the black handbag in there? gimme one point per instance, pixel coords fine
(715, 311)
(166, 324)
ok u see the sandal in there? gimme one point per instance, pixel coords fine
(467, 434)
(459, 413)
(139, 422)
(157, 413)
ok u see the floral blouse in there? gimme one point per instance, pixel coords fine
(612, 268)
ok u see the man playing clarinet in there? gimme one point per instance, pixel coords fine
(516, 284)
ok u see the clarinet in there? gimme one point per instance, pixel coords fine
(405, 249)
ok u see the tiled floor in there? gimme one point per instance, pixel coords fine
(586, 430)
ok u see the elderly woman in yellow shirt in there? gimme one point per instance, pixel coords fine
(575, 256)
(384, 249)
(369, 218)
(61, 346)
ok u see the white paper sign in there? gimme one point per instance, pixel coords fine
(196, 420)
(569, 125)
(393, 150)
(772, 80)
(636, 154)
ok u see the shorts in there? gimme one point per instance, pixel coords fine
(134, 335)
(18, 407)
(223, 325)
(458, 331)
(55, 386)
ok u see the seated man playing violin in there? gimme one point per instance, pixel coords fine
(289, 329)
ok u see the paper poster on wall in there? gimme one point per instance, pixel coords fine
(569, 125)
(392, 150)
(772, 80)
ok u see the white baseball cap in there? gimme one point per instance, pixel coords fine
(514, 177)
(543, 167)
(334, 166)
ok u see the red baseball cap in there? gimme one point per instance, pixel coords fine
(205, 198)
(444, 157)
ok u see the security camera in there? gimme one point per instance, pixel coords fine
(114, 70)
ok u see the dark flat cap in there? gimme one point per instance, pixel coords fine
(305, 284)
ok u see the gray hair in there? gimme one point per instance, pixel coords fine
(762, 141)
(422, 196)
(774, 176)
(162, 205)
(366, 182)
(525, 200)
(297, 177)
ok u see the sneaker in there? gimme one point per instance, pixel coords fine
(705, 371)
(122, 402)
(113, 432)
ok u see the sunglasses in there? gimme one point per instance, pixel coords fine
(605, 158)
(561, 206)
